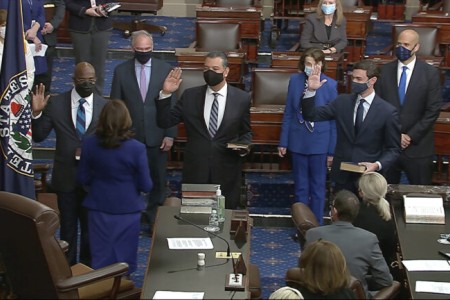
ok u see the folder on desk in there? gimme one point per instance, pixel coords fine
(427, 209)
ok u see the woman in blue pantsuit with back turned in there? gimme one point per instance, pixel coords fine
(309, 143)
(113, 169)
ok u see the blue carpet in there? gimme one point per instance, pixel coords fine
(272, 249)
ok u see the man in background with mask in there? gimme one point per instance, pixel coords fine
(137, 82)
(368, 130)
(214, 114)
(72, 115)
(413, 87)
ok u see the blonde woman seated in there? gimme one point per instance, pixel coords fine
(375, 213)
(325, 274)
(286, 292)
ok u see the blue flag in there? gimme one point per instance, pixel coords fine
(16, 169)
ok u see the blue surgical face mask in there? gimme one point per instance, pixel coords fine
(308, 71)
(403, 53)
(328, 9)
(359, 88)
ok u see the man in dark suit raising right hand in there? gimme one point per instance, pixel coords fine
(370, 137)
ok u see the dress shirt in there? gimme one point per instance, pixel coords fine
(148, 69)
(368, 101)
(410, 68)
(88, 107)
(209, 98)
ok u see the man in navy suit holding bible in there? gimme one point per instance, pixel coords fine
(368, 130)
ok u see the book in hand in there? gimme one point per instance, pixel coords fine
(428, 209)
(236, 146)
(106, 8)
(352, 167)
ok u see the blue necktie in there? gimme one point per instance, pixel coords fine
(402, 85)
(359, 116)
(213, 118)
(81, 118)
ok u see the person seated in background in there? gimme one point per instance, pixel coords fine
(286, 292)
(375, 214)
(310, 144)
(360, 247)
(325, 273)
(114, 171)
(325, 28)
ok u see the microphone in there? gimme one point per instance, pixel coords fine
(234, 281)
(201, 228)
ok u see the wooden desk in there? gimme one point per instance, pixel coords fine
(443, 20)
(358, 27)
(419, 241)
(290, 59)
(249, 19)
(188, 57)
(175, 270)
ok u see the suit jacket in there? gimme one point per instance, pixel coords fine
(80, 22)
(377, 140)
(57, 116)
(361, 250)
(206, 159)
(295, 135)
(369, 219)
(114, 178)
(314, 34)
(57, 18)
(421, 106)
(125, 87)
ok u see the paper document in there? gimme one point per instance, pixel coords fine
(178, 295)
(427, 265)
(190, 243)
(433, 287)
(41, 52)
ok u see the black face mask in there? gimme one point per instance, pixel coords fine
(359, 88)
(212, 78)
(85, 89)
(142, 57)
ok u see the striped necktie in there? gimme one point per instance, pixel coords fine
(213, 118)
(81, 118)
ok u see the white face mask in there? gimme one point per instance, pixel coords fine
(2, 31)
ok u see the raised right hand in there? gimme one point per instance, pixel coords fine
(39, 100)
(173, 81)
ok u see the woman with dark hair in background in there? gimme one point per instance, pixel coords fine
(113, 169)
(309, 143)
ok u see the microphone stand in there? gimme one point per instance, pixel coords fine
(234, 281)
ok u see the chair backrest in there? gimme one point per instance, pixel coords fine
(191, 77)
(218, 36)
(294, 278)
(32, 256)
(234, 3)
(349, 3)
(270, 85)
(140, 6)
(429, 42)
(304, 219)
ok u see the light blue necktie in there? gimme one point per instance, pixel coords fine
(402, 85)
(81, 118)
(213, 118)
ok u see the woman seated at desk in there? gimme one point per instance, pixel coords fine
(326, 28)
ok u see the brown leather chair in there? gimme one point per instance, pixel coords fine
(237, 3)
(294, 277)
(270, 85)
(35, 263)
(217, 35)
(137, 8)
(303, 219)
